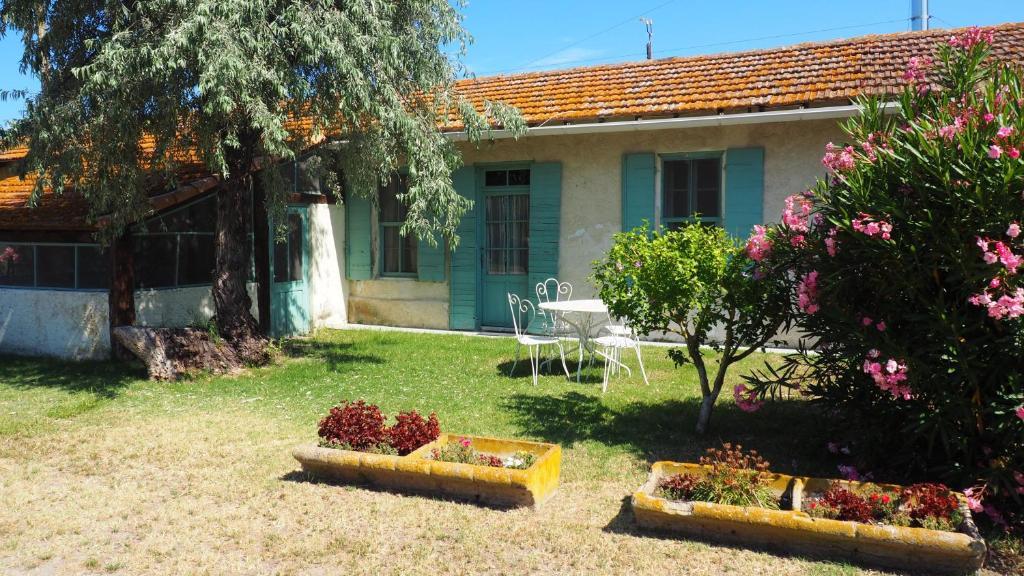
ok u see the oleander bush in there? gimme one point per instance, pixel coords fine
(906, 268)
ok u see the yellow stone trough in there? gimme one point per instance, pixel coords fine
(418, 473)
(792, 530)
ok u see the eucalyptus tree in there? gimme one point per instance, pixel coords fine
(133, 91)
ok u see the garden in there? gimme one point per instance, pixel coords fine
(890, 438)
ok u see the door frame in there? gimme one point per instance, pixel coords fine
(303, 211)
(480, 197)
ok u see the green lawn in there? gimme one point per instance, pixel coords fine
(104, 471)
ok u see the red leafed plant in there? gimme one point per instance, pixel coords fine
(355, 424)
(411, 431)
(841, 504)
(930, 500)
(677, 487)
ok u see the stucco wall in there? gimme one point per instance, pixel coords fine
(592, 193)
(399, 302)
(327, 285)
(60, 323)
(179, 307)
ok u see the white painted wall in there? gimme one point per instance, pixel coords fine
(60, 323)
(592, 196)
(327, 286)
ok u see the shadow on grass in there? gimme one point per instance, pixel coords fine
(303, 477)
(336, 354)
(104, 379)
(787, 433)
(522, 370)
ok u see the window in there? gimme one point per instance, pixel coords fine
(61, 266)
(508, 234)
(516, 177)
(398, 253)
(177, 248)
(288, 253)
(691, 187)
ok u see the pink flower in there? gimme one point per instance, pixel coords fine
(975, 495)
(807, 293)
(1004, 132)
(917, 68)
(797, 213)
(866, 321)
(838, 159)
(830, 242)
(833, 448)
(759, 246)
(880, 326)
(994, 151)
(746, 399)
(890, 377)
(797, 240)
(849, 473)
(465, 442)
(972, 38)
(869, 226)
(1014, 230)
(1020, 414)
(990, 257)
(989, 117)
(1013, 152)
(1008, 258)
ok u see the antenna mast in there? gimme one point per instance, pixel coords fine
(649, 24)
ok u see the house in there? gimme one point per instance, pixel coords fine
(727, 136)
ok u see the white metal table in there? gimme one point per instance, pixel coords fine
(581, 315)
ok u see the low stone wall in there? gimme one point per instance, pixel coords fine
(60, 323)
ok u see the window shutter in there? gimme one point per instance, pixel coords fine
(545, 221)
(358, 235)
(430, 260)
(744, 190)
(462, 307)
(637, 190)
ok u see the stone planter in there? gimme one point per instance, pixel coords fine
(791, 530)
(417, 473)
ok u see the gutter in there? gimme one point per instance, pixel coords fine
(746, 118)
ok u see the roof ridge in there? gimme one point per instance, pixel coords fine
(611, 66)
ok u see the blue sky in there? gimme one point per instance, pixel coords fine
(526, 35)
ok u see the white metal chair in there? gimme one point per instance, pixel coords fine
(551, 290)
(523, 314)
(617, 339)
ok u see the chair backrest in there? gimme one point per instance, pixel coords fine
(523, 313)
(551, 290)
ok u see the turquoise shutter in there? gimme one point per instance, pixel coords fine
(545, 221)
(358, 235)
(462, 307)
(744, 190)
(637, 190)
(430, 260)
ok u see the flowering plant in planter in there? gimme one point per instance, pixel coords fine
(360, 426)
(462, 452)
(931, 506)
(907, 266)
(731, 476)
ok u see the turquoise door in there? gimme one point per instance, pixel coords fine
(289, 276)
(505, 254)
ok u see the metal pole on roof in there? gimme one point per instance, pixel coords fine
(649, 24)
(919, 16)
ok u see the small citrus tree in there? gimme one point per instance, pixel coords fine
(908, 263)
(689, 282)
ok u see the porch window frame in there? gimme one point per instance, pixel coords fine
(384, 225)
(35, 266)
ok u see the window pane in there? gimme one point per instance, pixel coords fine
(709, 179)
(16, 265)
(155, 257)
(308, 179)
(676, 189)
(196, 259)
(281, 260)
(55, 266)
(409, 254)
(93, 268)
(295, 243)
(391, 247)
(495, 261)
(519, 177)
(496, 178)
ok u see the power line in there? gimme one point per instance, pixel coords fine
(596, 34)
(710, 45)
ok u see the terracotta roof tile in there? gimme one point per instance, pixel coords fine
(814, 73)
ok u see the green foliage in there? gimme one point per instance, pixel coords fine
(230, 80)
(690, 281)
(919, 345)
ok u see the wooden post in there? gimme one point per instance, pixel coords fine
(261, 254)
(121, 300)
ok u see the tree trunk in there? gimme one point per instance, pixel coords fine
(235, 322)
(704, 416)
(170, 353)
(261, 256)
(121, 295)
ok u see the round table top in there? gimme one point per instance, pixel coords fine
(589, 306)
